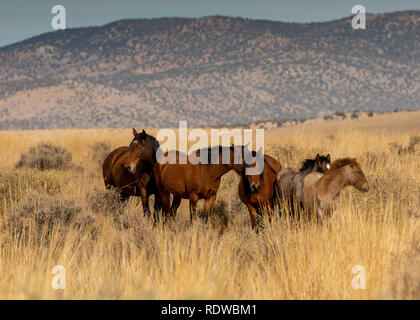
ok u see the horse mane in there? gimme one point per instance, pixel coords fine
(310, 163)
(307, 163)
(210, 149)
(339, 163)
(143, 136)
(245, 182)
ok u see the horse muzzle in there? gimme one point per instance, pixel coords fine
(365, 188)
(255, 187)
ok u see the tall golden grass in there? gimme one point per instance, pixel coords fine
(119, 254)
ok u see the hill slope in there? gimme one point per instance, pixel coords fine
(209, 71)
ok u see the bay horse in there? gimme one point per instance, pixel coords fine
(130, 170)
(258, 192)
(321, 192)
(193, 181)
(290, 180)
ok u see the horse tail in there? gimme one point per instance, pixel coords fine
(276, 195)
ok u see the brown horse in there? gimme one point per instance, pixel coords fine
(321, 192)
(129, 169)
(258, 192)
(290, 180)
(193, 181)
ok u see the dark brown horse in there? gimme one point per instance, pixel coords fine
(290, 180)
(129, 169)
(193, 181)
(258, 191)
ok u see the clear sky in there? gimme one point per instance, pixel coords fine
(21, 19)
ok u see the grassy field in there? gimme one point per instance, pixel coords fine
(64, 217)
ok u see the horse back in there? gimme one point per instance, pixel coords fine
(110, 163)
(276, 165)
(284, 181)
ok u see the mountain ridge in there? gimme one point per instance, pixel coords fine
(214, 70)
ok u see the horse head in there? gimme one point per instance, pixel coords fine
(356, 176)
(322, 163)
(351, 173)
(142, 150)
(253, 170)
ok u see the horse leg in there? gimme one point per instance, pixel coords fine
(193, 206)
(260, 219)
(144, 196)
(253, 215)
(175, 205)
(165, 200)
(158, 203)
(209, 205)
(276, 198)
(319, 214)
(163, 193)
(283, 203)
(270, 209)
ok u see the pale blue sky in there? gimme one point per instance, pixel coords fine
(21, 19)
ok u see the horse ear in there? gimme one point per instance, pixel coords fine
(134, 132)
(329, 157)
(318, 157)
(143, 132)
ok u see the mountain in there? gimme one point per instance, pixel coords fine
(210, 71)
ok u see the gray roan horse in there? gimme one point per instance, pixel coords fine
(290, 181)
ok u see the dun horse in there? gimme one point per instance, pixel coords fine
(321, 192)
(290, 180)
(193, 181)
(257, 192)
(129, 169)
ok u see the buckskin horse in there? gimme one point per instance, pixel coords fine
(321, 192)
(129, 169)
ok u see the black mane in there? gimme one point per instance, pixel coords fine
(210, 149)
(310, 163)
(142, 136)
(307, 164)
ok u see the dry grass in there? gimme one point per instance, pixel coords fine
(115, 252)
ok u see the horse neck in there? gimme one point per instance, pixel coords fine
(218, 170)
(307, 171)
(333, 182)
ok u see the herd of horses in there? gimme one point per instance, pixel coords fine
(315, 188)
